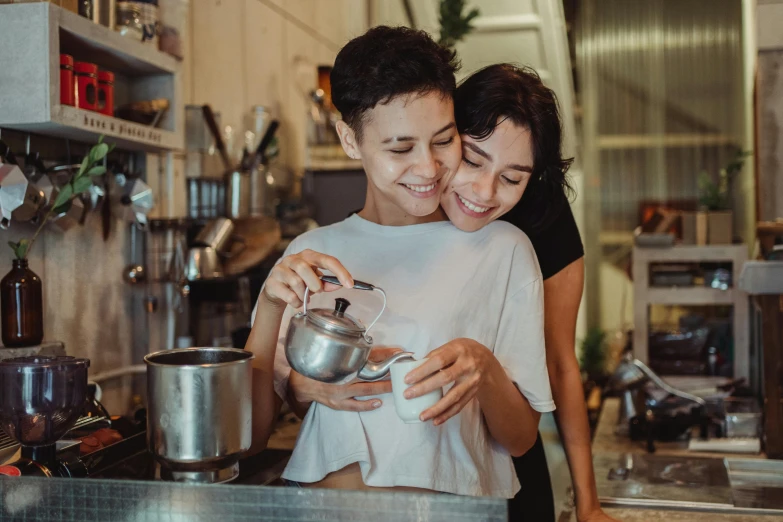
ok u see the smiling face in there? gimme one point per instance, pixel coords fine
(492, 177)
(409, 149)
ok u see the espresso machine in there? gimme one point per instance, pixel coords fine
(651, 409)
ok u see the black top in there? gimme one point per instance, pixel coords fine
(557, 245)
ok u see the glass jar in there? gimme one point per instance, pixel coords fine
(139, 19)
(21, 306)
(129, 20)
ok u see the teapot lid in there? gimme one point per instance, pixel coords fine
(337, 320)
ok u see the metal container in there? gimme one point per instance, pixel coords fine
(202, 263)
(238, 194)
(199, 413)
(331, 346)
(216, 234)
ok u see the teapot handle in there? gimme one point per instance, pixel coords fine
(358, 285)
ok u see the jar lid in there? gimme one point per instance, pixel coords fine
(86, 67)
(106, 76)
(66, 59)
(337, 320)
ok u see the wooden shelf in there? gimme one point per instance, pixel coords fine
(34, 35)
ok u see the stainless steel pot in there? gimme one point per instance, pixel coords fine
(331, 346)
(199, 413)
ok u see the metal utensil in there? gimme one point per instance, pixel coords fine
(134, 273)
(202, 263)
(209, 116)
(216, 234)
(20, 199)
(331, 346)
(199, 415)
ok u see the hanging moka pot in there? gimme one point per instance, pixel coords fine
(20, 199)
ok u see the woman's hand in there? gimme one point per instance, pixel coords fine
(289, 278)
(341, 396)
(466, 363)
(597, 515)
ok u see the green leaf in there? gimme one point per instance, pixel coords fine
(97, 171)
(20, 248)
(82, 184)
(98, 152)
(65, 207)
(64, 195)
(83, 168)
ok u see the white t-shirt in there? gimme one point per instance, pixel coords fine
(441, 284)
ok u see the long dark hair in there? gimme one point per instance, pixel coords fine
(506, 92)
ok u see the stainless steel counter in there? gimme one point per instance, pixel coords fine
(77, 500)
(675, 484)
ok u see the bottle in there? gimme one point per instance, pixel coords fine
(21, 306)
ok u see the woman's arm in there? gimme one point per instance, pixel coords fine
(302, 392)
(562, 295)
(285, 286)
(262, 343)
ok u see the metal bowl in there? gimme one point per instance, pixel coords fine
(41, 397)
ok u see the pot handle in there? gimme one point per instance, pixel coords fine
(358, 285)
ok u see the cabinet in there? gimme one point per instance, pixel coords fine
(645, 295)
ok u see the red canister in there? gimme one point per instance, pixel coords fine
(67, 95)
(86, 85)
(106, 93)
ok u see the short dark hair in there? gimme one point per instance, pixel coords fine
(386, 62)
(506, 92)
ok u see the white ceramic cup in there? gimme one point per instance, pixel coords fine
(410, 409)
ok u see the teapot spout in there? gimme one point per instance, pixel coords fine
(375, 371)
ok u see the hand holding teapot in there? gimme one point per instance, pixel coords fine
(296, 273)
(323, 344)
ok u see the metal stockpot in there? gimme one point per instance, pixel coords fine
(199, 413)
(331, 346)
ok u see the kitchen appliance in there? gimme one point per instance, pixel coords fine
(132, 199)
(653, 410)
(19, 198)
(41, 398)
(199, 417)
(331, 346)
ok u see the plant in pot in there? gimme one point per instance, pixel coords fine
(593, 357)
(715, 202)
(21, 291)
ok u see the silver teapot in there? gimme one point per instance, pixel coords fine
(331, 346)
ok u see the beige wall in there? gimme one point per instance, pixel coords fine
(265, 52)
